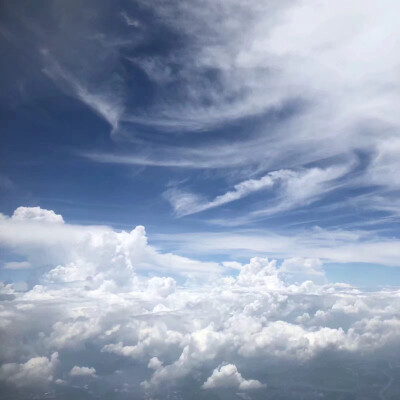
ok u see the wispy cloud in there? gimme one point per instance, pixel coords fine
(301, 188)
(261, 86)
(295, 189)
(314, 98)
(130, 21)
(338, 246)
(107, 107)
(187, 203)
(235, 62)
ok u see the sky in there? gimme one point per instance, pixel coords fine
(199, 199)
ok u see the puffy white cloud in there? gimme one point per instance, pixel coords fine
(98, 309)
(36, 371)
(154, 363)
(162, 286)
(228, 376)
(82, 371)
(87, 251)
(312, 266)
(299, 269)
(36, 214)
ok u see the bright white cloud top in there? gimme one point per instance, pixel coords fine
(96, 306)
(228, 376)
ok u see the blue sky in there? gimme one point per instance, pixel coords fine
(224, 120)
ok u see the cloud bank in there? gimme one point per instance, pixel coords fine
(97, 312)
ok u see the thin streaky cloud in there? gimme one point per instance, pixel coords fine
(107, 107)
(187, 203)
(295, 189)
(334, 246)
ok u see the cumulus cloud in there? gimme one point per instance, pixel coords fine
(82, 371)
(299, 269)
(149, 335)
(36, 371)
(162, 286)
(36, 214)
(81, 251)
(228, 376)
(154, 363)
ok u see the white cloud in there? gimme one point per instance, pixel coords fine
(232, 264)
(303, 187)
(299, 269)
(162, 286)
(82, 371)
(36, 371)
(385, 163)
(297, 189)
(154, 363)
(343, 246)
(187, 203)
(80, 251)
(37, 214)
(320, 76)
(227, 376)
(332, 57)
(104, 103)
(172, 332)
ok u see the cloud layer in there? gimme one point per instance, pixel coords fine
(100, 315)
